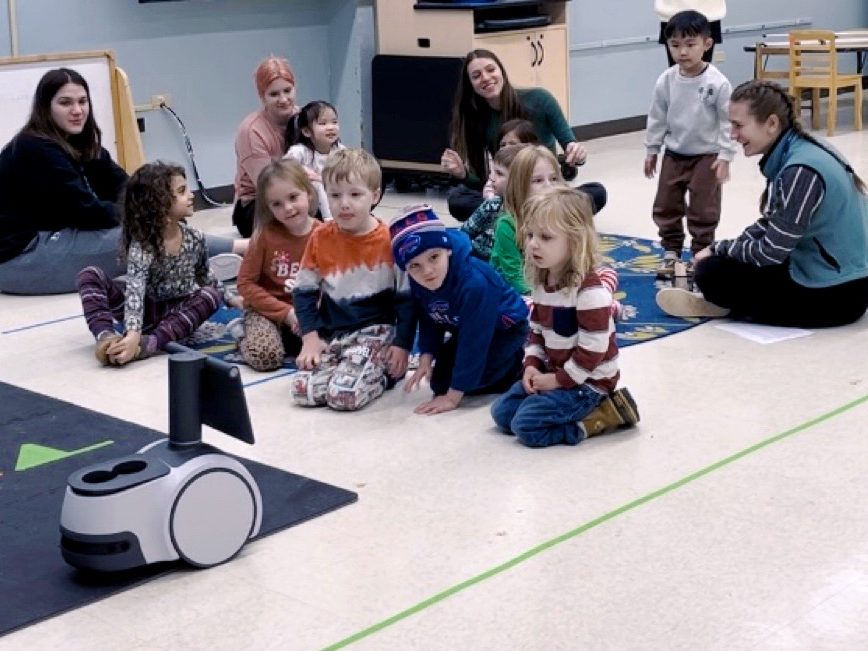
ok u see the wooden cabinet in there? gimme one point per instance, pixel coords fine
(534, 57)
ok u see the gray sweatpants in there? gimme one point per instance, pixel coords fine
(52, 260)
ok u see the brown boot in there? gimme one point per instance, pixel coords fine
(626, 406)
(616, 411)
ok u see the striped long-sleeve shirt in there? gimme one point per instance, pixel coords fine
(347, 282)
(572, 335)
(792, 200)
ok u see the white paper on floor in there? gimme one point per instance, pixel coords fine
(763, 334)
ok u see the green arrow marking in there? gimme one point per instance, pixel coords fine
(31, 455)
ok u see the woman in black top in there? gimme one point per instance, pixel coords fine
(58, 193)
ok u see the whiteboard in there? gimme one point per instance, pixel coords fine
(19, 77)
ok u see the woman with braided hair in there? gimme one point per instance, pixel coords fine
(804, 262)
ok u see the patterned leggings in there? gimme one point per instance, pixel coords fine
(266, 343)
(172, 320)
(351, 373)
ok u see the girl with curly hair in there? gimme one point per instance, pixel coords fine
(169, 289)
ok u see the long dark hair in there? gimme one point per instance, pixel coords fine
(471, 113)
(306, 118)
(84, 146)
(766, 98)
(146, 202)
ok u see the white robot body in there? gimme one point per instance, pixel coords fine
(159, 505)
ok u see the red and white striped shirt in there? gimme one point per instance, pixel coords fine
(572, 334)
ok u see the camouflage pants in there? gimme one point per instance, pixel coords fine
(351, 373)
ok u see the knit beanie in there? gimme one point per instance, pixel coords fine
(415, 230)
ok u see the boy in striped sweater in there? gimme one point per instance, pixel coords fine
(353, 304)
(567, 391)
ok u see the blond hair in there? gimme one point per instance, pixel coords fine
(520, 177)
(343, 164)
(287, 170)
(570, 212)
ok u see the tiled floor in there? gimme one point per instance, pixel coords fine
(765, 550)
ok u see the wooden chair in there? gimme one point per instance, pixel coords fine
(761, 61)
(814, 66)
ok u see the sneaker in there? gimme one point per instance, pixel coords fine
(682, 303)
(231, 297)
(689, 269)
(680, 277)
(225, 266)
(666, 270)
(626, 406)
(235, 328)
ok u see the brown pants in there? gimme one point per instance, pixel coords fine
(678, 176)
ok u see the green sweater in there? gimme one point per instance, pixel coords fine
(506, 257)
(543, 111)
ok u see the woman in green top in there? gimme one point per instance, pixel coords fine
(484, 100)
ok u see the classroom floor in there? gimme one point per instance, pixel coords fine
(683, 533)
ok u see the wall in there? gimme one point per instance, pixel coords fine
(203, 53)
(616, 82)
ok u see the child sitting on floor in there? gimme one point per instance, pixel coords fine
(169, 290)
(567, 392)
(455, 293)
(313, 134)
(479, 227)
(353, 304)
(285, 199)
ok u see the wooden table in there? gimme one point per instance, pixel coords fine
(849, 41)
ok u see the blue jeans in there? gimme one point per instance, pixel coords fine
(547, 418)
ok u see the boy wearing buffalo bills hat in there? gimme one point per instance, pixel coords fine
(462, 296)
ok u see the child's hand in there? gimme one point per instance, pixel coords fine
(312, 348)
(721, 170)
(650, 165)
(396, 361)
(544, 382)
(575, 154)
(526, 379)
(438, 405)
(451, 162)
(124, 350)
(422, 372)
(313, 176)
(701, 255)
(292, 321)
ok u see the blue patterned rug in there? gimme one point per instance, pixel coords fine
(213, 338)
(636, 261)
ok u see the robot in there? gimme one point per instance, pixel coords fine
(176, 498)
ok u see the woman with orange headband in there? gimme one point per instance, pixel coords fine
(261, 137)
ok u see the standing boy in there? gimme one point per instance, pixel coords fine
(353, 304)
(688, 116)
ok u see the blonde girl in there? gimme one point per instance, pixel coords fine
(285, 201)
(534, 169)
(567, 391)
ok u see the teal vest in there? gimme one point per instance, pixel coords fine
(834, 249)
